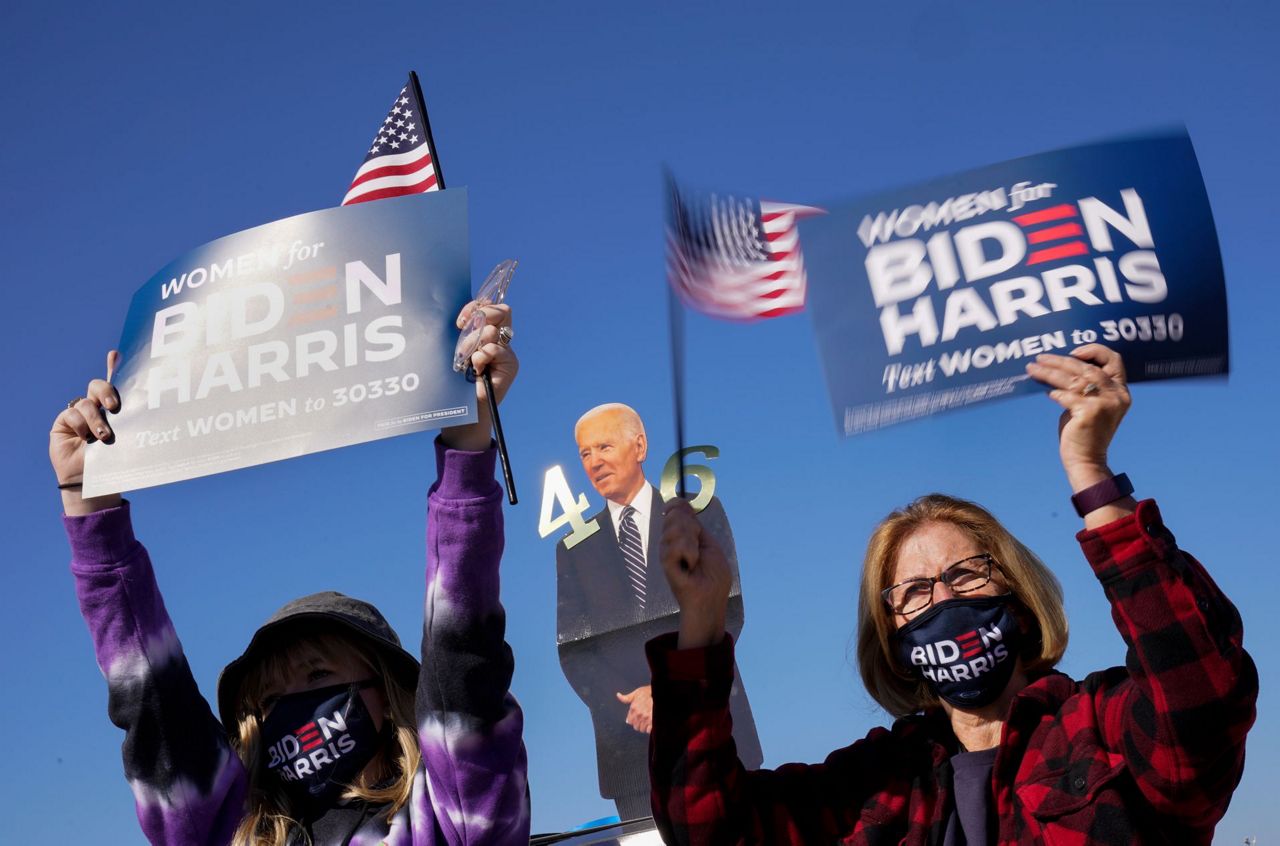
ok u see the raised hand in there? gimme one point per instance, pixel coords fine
(495, 355)
(1090, 385)
(698, 573)
(77, 425)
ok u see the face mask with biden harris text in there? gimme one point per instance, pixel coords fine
(965, 649)
(317, 742)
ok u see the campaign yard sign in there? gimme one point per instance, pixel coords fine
(936, 296)
(314, 332)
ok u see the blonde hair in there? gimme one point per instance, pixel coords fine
(1035, 590)
(268, 819)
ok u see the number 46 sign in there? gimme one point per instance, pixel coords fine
(555, 491)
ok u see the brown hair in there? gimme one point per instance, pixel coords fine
(1037, 597)
(268, 818)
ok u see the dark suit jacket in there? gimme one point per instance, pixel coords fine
(601, 634)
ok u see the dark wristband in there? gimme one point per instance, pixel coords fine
(1104, 493)
(70, 486)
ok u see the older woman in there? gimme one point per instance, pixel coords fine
(959, 629)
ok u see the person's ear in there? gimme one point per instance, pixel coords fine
(642, 447)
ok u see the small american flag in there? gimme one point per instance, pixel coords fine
(400, 159)
(736, 258)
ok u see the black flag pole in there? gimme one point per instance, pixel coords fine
(675, 317)
(498, 434)
(675, 311)
(426, 126)
(676, 320)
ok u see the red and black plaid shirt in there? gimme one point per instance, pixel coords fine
(1145, 753)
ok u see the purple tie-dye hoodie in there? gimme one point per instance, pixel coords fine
(188, 783)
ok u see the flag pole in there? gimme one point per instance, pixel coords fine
(675, 320)
(426, 127)
(675, 313)
(488, 380)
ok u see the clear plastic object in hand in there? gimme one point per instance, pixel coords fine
(492, 292)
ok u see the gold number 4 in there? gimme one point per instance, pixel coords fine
(555, 491)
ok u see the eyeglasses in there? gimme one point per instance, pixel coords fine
(962, 577)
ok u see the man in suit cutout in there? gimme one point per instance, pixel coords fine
(613, 597)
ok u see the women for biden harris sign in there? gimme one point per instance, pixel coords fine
(314, 332)
(936, 296)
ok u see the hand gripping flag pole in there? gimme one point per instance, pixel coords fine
(492, 292)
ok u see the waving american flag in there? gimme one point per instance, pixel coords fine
(402, 158)
(736, 258)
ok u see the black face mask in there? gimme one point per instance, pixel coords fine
(964, 649)
(318, 741)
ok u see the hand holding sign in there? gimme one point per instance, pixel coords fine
(1091, 385)
(79, 424)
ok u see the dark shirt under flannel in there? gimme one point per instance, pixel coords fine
(1145, 753)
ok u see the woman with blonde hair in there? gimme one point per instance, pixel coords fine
(330, 732)
(959, 629)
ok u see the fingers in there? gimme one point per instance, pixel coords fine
(1107, 359)
(679, 546)
(626, 698)
(113, 361)
(93, 418)
(71, 419)
(498, 314)
(492, 354)
(1069, 373)
(104, 394)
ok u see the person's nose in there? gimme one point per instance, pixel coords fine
(942, 592)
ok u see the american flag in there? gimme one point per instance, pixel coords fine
(736, 258)
(400, 159)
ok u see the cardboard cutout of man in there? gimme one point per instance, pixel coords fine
(613, 598)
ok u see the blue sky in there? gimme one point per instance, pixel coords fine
(138, 131)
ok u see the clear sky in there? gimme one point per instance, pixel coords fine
(134, 132)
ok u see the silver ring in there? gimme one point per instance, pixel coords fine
(505, 335)
(72, 404)
(1089, 389)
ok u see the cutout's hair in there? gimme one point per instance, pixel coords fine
(269, 820)
(1037, 598)
(629, 422)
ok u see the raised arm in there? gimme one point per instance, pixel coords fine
(1180, 711)
(702, 794)
(469, 725)
(188, 785)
